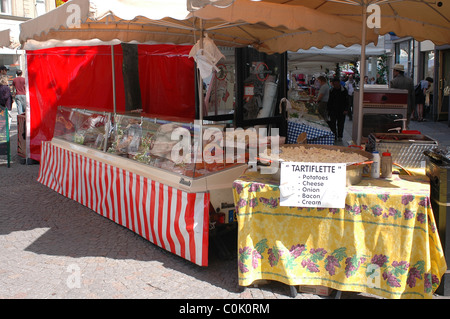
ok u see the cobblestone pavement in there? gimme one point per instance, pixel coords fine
(53, 247)
(46, 240)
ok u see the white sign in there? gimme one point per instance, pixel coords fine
(321, 185)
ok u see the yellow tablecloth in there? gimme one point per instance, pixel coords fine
(384, 242)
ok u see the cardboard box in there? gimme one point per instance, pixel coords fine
(230, 216)
(226, 217)
(317, 290)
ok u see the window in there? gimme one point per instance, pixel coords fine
(40, 7)
(428, 64)
(404, 54)
(5, 6)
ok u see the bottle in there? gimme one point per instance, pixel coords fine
(375, 172)
(386, 165)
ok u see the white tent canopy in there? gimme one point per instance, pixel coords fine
(267, 27)
(337, 54)
(314, 60)
(5, 38)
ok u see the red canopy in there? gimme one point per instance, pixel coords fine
(82, 77)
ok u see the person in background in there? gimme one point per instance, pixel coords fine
(428, 97)
(343, 80)
(401, 81)
(19, 92)
(420, 95)
(350, 85)
(5, 93)
(3, 70)
(337, 108)
(312, 88)
(322, 97)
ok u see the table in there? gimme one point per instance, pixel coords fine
(317, 130)
(384, 242)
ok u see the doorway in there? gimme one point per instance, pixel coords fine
(443, 85)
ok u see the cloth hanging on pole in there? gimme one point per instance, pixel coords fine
(206, 54)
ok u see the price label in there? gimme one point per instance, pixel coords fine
(321, 185)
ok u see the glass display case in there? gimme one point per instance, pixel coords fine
(84, 127)
(168, 144)
(171, 145)
(261, 84)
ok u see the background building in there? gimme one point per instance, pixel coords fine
(424, 59)
(12, 14)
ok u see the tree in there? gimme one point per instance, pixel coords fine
(382, 69)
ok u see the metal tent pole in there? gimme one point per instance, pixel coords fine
(362, 74)
(113, 77)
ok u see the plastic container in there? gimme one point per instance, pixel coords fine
(375, 170)
(270, 90)
(386, 165)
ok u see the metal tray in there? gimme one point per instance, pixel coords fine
(406, 149)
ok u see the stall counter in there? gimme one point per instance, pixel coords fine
(124, 171)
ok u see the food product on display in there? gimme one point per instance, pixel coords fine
(299, 106)
(386, 165)
(315, 154)
(151, 143)
(81, 128)
(375, 170)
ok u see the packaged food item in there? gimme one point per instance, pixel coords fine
(386, 165)
(317, 290)
(375, 171)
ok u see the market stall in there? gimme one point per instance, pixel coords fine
(89, 158)
(84, 127)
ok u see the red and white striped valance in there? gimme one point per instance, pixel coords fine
(170, 218)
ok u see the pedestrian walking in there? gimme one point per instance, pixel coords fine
(19, 92)
(420, 95)
(322, 97)
(5, 93)
(337, 108)
(350, 85)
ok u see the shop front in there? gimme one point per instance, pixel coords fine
(442, 85)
